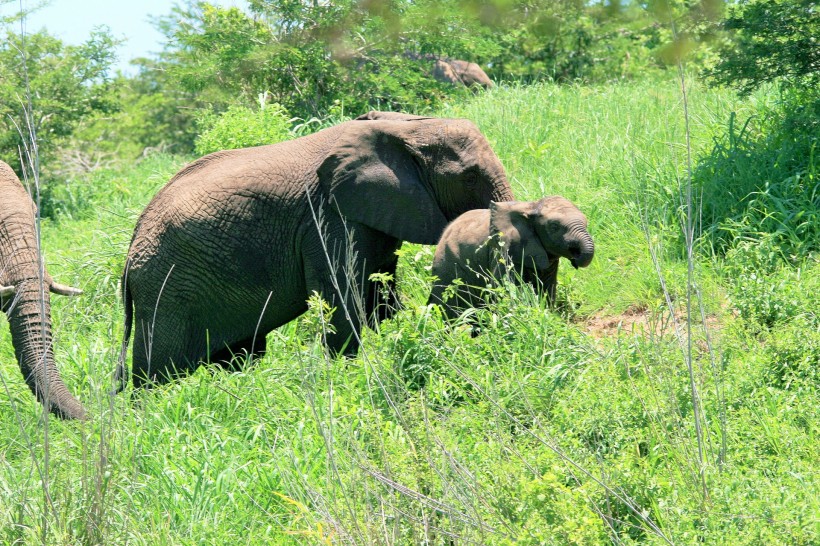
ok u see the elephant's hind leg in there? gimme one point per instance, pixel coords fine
(234, 356)
(161, 352)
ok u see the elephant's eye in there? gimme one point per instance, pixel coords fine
(471, 180)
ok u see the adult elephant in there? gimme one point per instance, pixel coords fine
(24, 297)
(458, 72)
(234, 245)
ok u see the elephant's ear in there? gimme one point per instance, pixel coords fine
(512, 222)
(375, 115)
(376, 178)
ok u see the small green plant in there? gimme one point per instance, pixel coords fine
(764, 290)
(241, 127)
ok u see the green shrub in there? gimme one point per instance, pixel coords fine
(760, 181)
(794, 355)
(241, 127)
(771, 40)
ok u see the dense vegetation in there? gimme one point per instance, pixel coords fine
(671, 398)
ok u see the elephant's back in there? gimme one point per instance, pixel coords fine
(223, 188)
(464, 240)
(270, 169)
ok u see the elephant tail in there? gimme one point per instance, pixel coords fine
(128, 303)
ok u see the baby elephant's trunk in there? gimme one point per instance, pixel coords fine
(582, 250)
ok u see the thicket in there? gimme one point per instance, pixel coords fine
(320, 62)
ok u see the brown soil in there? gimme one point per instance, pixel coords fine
(641, 320)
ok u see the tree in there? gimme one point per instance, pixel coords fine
(770, 40)
(62, 84)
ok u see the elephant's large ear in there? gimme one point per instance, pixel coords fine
(375, 177)
(511, 220)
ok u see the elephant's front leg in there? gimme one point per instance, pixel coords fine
(546, 280)
(383, 302)
(333, 271)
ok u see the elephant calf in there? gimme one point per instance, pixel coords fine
(480, 245)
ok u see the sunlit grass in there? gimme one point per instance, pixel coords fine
(539, 430)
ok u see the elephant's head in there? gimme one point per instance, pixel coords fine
(24, 297)
(408, 176)
(540, 232)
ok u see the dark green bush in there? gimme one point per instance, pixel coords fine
(62, 84)
(771, 41)
(760, 181)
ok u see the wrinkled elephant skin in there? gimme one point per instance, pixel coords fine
(529, 237)
(24, 297)
(235, 244)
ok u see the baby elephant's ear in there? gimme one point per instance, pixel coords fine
(512, 221)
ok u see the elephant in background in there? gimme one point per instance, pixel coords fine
(481, 245)
(459, 72)
(24, 297)
(234, 245)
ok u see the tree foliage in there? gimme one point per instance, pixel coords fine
(64, 84)
(771, 40)
(321, 59)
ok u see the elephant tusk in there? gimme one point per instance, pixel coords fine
(6, 291)
(64, 290)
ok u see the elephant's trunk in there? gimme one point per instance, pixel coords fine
(582, 248)
(29, 319)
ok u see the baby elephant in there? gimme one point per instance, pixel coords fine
(483, 244)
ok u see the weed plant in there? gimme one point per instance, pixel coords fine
(547, 428)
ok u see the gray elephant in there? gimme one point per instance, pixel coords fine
(481, 245)
(458, 72)
(234, 245)
(24, 297)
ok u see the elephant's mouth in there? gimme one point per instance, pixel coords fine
(574, 254)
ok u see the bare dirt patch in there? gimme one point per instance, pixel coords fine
(641, 320)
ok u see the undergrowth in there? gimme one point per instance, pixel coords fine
(533, 432)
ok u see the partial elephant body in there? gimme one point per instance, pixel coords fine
(237, 241)
(481, 246)
(24, 297)
(458, 72)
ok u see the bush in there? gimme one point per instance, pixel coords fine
(65, 84)
(768, 292)
(241, 127)
(760, 181)
(794, 355)
(772, 40)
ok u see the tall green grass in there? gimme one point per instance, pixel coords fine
(544, 429)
